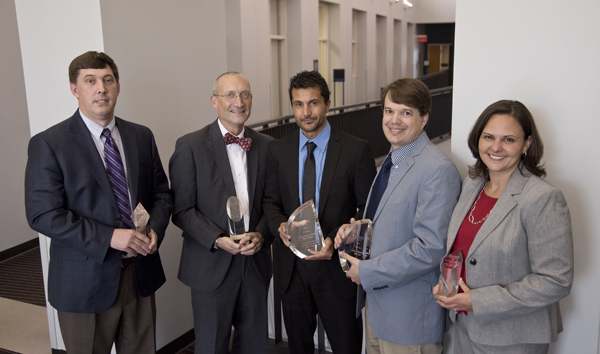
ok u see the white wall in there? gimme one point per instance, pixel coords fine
(14, 133)
(167, 63)
(435, 11)
(302, 42)
(544, 54)
(46, 55)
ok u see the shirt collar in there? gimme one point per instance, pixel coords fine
(95, 128)
(400, 153)
(321, 140)
(225, 131)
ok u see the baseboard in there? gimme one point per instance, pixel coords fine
(178, 344)
(18, 249)
(58, 351)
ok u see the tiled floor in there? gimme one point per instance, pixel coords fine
(21, 278)
(24, 325)
(24, 328)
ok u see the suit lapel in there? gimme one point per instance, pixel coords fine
(129, 140)
(252, 166)
(470, 191)
(403, 169)
(87, 147)
(503, 206)
(292, 168)
(218, 149)
(334, 149)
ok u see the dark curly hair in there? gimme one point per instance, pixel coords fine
(518, 111)
(309, 79)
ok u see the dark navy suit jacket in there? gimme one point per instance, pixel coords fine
(68, 197)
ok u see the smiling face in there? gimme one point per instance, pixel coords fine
(501, 144)
(97, 91)
(310, 110)
(232, 113)
(402, 124)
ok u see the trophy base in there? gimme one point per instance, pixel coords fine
(345, 264)
(237, 238)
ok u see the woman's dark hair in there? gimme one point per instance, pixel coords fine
(518, 111)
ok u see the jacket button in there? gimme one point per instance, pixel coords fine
(473, 261)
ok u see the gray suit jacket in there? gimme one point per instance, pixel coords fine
(409, 241)
(68, 197)
(202, 182)
(520, 263)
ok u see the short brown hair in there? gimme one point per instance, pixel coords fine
(91, 60)
(410, 92)
(521, 114)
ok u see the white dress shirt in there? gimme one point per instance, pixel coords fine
(239, 170)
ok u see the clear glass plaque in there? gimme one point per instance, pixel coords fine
(235, 215)
(450, 268)
(303, 226)
(360, 231)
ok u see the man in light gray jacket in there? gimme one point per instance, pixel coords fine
(410, 204)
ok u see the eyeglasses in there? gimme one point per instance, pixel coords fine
(230, 96)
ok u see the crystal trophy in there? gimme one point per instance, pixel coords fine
(357, 242)
(140, 218)
(235, 214)
(303, 226)
(450, 268)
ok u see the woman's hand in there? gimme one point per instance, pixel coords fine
(458, 302)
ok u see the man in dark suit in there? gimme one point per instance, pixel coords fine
(229, 279)
(344, 170)
(83, 177)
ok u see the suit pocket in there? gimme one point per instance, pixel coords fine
(66, 253)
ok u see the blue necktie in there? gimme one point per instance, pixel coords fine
(116, 175)
(379, 187)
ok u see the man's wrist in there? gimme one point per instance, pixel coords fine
(215, 245)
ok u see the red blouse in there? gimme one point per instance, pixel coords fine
(467, 231)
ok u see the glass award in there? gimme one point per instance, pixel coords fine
(303, 226)
(235, 216)
(450, 268)
(140, 218)
(357, 242)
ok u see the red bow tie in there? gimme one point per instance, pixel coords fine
(244, 143)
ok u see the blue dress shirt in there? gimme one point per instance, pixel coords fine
(319, 153)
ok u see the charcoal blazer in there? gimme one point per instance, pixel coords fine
(347, 176)
(520, 263)
(202, 182)
(69, 198)
(409, 241)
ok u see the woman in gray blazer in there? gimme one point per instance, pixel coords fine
(514, 231)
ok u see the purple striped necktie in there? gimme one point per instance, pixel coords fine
(116, 175)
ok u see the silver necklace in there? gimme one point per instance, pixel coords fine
(471, 218)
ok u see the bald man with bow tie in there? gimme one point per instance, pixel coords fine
(229, 280)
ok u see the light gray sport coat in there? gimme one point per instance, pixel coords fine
(409, 241)
(520, 263)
